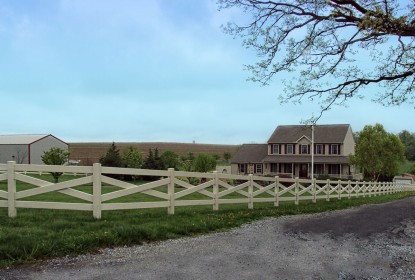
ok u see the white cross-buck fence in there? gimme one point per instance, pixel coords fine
(96, 188)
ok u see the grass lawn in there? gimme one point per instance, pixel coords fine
(37, 234)
(406, 166)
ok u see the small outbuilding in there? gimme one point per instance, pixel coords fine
(28, 148)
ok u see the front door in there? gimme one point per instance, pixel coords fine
(303, 170)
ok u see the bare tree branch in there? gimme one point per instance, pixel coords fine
(321, 40)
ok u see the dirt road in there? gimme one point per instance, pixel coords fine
(368, 242)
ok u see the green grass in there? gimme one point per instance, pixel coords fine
(406, 166)
(37, 234)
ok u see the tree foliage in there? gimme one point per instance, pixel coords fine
(112, 158)
(170, 159)
(132, 158)
(55, 156)
(153, 160)
(204, 163)
(408, 140)
(378, 152)
(321, 40)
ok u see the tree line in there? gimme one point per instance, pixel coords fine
(133, 158)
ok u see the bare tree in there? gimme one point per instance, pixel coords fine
(321, 40)
(21, 156)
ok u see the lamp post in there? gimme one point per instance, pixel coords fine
(312, 152)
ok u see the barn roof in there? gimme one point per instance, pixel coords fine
(21, 139)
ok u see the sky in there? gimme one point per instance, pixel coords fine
(146, 71)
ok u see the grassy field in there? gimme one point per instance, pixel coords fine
(406, 166)
(37, 234)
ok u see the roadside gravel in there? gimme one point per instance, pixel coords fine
(368, 242)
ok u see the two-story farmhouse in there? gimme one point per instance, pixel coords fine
(288, 152)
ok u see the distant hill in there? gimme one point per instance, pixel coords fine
(89, 153)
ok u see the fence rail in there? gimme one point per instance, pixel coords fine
(170, 188)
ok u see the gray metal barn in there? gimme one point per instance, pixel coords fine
(27, 148)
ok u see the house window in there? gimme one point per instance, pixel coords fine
(304, 149)
(334, 169)
(258, 168)
(242, 168)
(275, 148)
(290, 149)
(274, 167)
(335, 149)
(288, 168)
(319, 149)
(318, 169)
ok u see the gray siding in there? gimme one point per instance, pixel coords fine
(38, 148)
(17, 153)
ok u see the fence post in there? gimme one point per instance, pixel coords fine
(328, 190)
(370, 189)
(277, 191)
(339, 189)
(11, 189)
(349, 189)
(216, 192)
(314, 189)
(296, 190)
(96, 191)
(170, 192)
(250, 192)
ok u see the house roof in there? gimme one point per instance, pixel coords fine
(334, 133)
(250, 153)
(21, 139)
(306, 159)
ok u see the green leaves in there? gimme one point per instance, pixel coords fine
(378, 152)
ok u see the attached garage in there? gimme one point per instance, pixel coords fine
(27, 148)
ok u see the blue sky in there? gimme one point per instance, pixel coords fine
(127, 70)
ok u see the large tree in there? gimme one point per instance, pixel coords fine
(321, 40)
(378, 152)
(408, 140)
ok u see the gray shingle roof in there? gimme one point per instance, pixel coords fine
(250, 153)
(335, 133)
(21, 139)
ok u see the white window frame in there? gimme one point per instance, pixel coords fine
(275, 149)
(336, 148)
(321, 151)
(301, 149)
(288, 146)
(258, 168)
(242, 168)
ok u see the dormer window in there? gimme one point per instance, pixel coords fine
(304, 149)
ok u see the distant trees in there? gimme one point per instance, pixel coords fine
(133, 158)
(378, 152)
(55, 156)
(112, 158)
(204, 163)
(408, 139)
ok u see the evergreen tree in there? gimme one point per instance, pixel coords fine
(112, 158)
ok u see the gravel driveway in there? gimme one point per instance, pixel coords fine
(368, 242)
